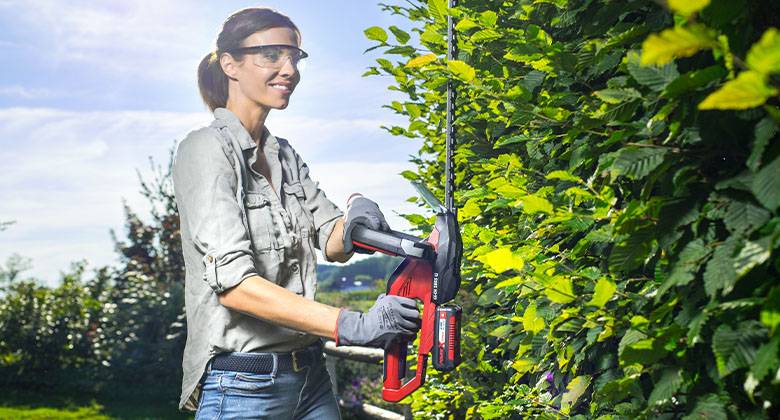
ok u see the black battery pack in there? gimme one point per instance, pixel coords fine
(446, 338)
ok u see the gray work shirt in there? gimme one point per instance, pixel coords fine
(234, 225)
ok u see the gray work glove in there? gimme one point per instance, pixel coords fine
(361, 211)
(391, 317)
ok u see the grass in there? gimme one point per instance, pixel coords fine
(60, 404)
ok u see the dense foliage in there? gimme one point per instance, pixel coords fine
(119, 330)
(619, 183)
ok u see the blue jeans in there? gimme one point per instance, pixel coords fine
(306, 394)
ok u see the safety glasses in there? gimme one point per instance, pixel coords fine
(273, 56)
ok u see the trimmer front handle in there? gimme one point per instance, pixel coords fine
(397, 244)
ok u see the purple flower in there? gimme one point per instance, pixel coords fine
(548, 376)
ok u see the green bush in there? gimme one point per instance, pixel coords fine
(619, 182)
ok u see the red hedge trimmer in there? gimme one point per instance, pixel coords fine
(429, 272)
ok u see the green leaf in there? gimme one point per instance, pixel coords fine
(770, 312)
(412, 176)
(574, 390)
(502, 331)
(719, 273)
(766, 185)
(654, 77)
(677, 42)
(767, 359)
(376, 33)
(531, 321)
(421, 60)
(560, 290)
(534, 204)
(512, 140)
(748, 90)
(688, 7)
(637, 162)
(461, 70)
(666, 387)
(744, 217)
(632, 252)
(400, 35)
(485, 35)
(751, 255)
(690, 259)
(694, 331)
(501, 260)
(488, 18)
(764, 56)
(735, 348)
(765, 130)
(603, 292)
(694, 80)
(709, 407)
(438, 10)
(616, 96)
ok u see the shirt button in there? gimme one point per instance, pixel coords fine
(211, 259)
(295, 268)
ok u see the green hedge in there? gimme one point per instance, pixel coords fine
(619, 182)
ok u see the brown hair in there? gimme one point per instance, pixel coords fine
(212, 81)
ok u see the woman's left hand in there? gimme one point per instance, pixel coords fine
(361, 211)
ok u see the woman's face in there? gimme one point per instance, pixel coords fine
(267, 86)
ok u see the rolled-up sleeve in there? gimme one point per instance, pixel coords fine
(205, 186)
(324, 211)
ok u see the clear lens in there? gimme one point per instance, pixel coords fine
(275, 57)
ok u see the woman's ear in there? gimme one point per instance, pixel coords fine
(229, 65)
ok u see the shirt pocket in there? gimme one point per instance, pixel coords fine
(261, 221)
(295, 200)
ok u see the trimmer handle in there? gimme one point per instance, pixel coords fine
(392, 243)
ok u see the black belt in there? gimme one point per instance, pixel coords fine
(263, 363)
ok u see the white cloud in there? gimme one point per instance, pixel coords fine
(65, 173)
(23, 92)
(157, 39)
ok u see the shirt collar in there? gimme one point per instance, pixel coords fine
(225, 118)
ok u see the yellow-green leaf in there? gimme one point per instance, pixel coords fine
(532, 322)
(470, 209)
(535, 204)
(688, 7)
(748, 90)
(502, 259)
(465, 24)
(461, 70)
(574, 391)
(523, 365)
(376, 33)
(562, 175)
(659, 49)
(509, 282)
(421, 60)
(560, 290)
(602, 293)
(764, 55)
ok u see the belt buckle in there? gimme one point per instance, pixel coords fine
(296, 368)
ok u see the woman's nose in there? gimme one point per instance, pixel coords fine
(287, 66)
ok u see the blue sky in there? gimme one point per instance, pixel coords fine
(89, 90)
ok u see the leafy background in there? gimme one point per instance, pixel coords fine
(619, 181)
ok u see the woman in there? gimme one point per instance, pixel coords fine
(250, 219)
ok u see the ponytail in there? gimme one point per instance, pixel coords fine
(212, 82)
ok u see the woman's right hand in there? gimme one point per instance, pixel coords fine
(391, 317)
